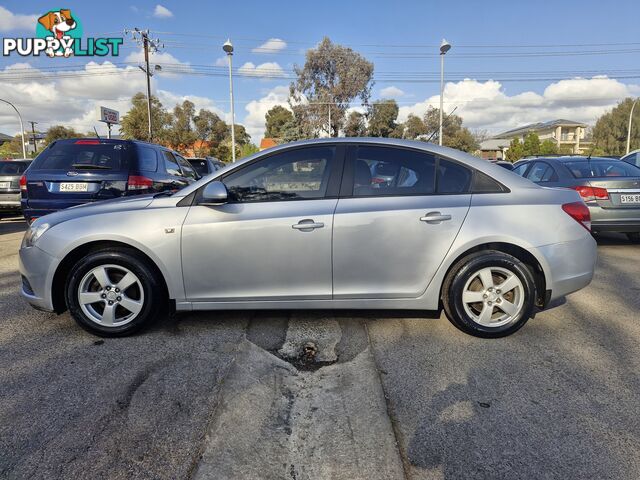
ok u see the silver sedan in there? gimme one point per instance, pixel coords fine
(310, 225)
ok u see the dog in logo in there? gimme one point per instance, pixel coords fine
(58, 23)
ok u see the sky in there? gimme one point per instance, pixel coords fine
(511, 63)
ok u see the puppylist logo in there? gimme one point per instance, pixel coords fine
(59, 34)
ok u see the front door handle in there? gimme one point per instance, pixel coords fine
(435, 217)
(307, 225)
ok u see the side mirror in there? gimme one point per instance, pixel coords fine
(214, 193)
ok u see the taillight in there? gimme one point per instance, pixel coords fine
(138, 182)
(579, 212)
(23, 183)
(590, 194)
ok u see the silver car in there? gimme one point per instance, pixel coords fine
(304, 225)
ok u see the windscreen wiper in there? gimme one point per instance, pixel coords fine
(84, 166)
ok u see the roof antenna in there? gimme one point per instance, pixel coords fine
(94, 129)
(446, 118)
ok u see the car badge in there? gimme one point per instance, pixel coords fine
(72, 174)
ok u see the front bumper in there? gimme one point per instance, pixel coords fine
(570, 265)
(37, 268)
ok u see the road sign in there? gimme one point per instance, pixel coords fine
(107, 115)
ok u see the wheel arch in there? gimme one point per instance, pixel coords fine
(71, 258)
(522, 254)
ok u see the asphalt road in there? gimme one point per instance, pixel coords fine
(378, 394)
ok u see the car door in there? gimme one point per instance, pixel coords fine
(391, 232)
(272, 240)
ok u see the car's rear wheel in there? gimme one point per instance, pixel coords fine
(113, 293)
(489, 294)
(634, 237)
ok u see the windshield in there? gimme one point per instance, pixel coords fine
(81, 156)
(602, 168)
(13, 168)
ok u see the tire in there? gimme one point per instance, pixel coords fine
(477, 310)
(634, 237)
(135, 300)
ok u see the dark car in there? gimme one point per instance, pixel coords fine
(77, 171)
(609, 187)
(504, 164)
(207, 165)
(10, 173)
(632, 157)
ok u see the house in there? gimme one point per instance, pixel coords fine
(199, 148)
(568, 136)
(267, 143)
(494, 148)
(5, 138)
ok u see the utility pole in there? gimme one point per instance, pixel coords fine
(444, 48)
(149, 46)
(33, 130)
(228, 49)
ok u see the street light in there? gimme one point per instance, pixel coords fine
(228, 49)
(24, 149)
(629, 128)
(444, 48)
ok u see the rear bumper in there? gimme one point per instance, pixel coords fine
(37, 269)
(614, 219)
(10, 201)
(571, 265)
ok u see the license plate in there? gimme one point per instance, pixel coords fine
(74, 187)
(634, 198)
(5, 185)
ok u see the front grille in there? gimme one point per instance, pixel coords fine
(26, 286)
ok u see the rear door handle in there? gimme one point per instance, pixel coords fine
(307, 225)
(435, 217)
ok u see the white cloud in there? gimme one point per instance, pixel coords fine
(162, 12)
(391, 92)
(264, 70)
(486, 104)
(272, 45)
(221, 62)
(10, 21)
(257, 109)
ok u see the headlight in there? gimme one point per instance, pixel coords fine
(33, 234)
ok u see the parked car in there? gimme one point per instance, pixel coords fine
(504, 164)
(609, 187)
(10, 173)
(77, 171)
(632, 157)
(205, 166)
(303, 225)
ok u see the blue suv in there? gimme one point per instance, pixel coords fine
(76, 171)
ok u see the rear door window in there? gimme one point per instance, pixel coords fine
(520, 169)
(541, 172)
(187, 169)
(147, 159)
(452, 178)
(393, 171)
(171, 164)
(82, 156)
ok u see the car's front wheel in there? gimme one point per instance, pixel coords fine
(489, 294)
(113, 293)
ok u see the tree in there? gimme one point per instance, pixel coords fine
(454, 134)
(181, 134)
(414, 127)
(382, 120)
(276, 120)
(548, 147)
(531, 144)
(516, 150)
(56, 132)
(355, 126)
(248, 149)
(12, 149)
(331, 78)
(135, 124)
(610, 130)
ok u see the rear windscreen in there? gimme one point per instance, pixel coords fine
(13, 168)
(200, 166)
(78, 156)
(602, 168)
